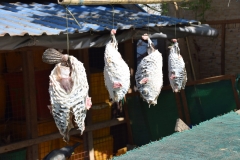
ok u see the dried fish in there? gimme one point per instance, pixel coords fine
(176, 68)
(68, 89)
(116, 71)
(149, 77)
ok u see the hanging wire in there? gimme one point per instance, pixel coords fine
(113, 16)
(67, 31)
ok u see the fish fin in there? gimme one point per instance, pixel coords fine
(143, 81)
(88, 103)
(50, 108)
(117, 85)
(172, 76)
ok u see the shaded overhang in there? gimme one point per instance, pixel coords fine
(45, 25)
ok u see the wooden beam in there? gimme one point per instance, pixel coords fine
(179, 106)
(190, 58)
(129, 58)
(88, 137)
(232, 21)
(209, 80)
(223, 49)
(83, 56)
(130, 136)
(190, 83)
(105, 2)
(35, 141)
(30, 102)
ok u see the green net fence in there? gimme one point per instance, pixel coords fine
(209, 100)
(204, 101)
(150, 124)
(215, 139)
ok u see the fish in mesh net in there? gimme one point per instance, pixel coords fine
(176, 68)
(116, 71)
(68, 89)
(149, 77)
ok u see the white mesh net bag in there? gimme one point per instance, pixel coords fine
(116, 72)
(65, 105)
(149, 77)
(176, 69)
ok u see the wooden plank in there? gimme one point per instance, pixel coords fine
(185, 106)
(235, 92)
(30, 102)
(223, 37)
(209, 80)
(30, 142)
(190, 83)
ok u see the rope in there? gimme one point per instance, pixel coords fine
(73, 17)
(175, 24)
(67, 31)
(113, 16)
(148, 20)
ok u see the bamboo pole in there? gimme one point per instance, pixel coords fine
(104, 2)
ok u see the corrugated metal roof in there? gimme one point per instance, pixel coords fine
(18, 19)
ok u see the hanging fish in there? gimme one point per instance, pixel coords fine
(68, 89)
(176, 68)
(116, 71)
(149, 77)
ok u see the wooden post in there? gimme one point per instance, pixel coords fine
(30, 102)
(88, 138)
(185, 106)
(129, 58)
(179, 106)
(223, 49)
(130, 136)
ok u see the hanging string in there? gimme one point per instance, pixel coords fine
(148, 20)
(67, 31)
(73, 17)
(113, 16)
(175, 24)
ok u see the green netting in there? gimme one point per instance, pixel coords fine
(150, 124)
(206, 101)
(216, 139)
